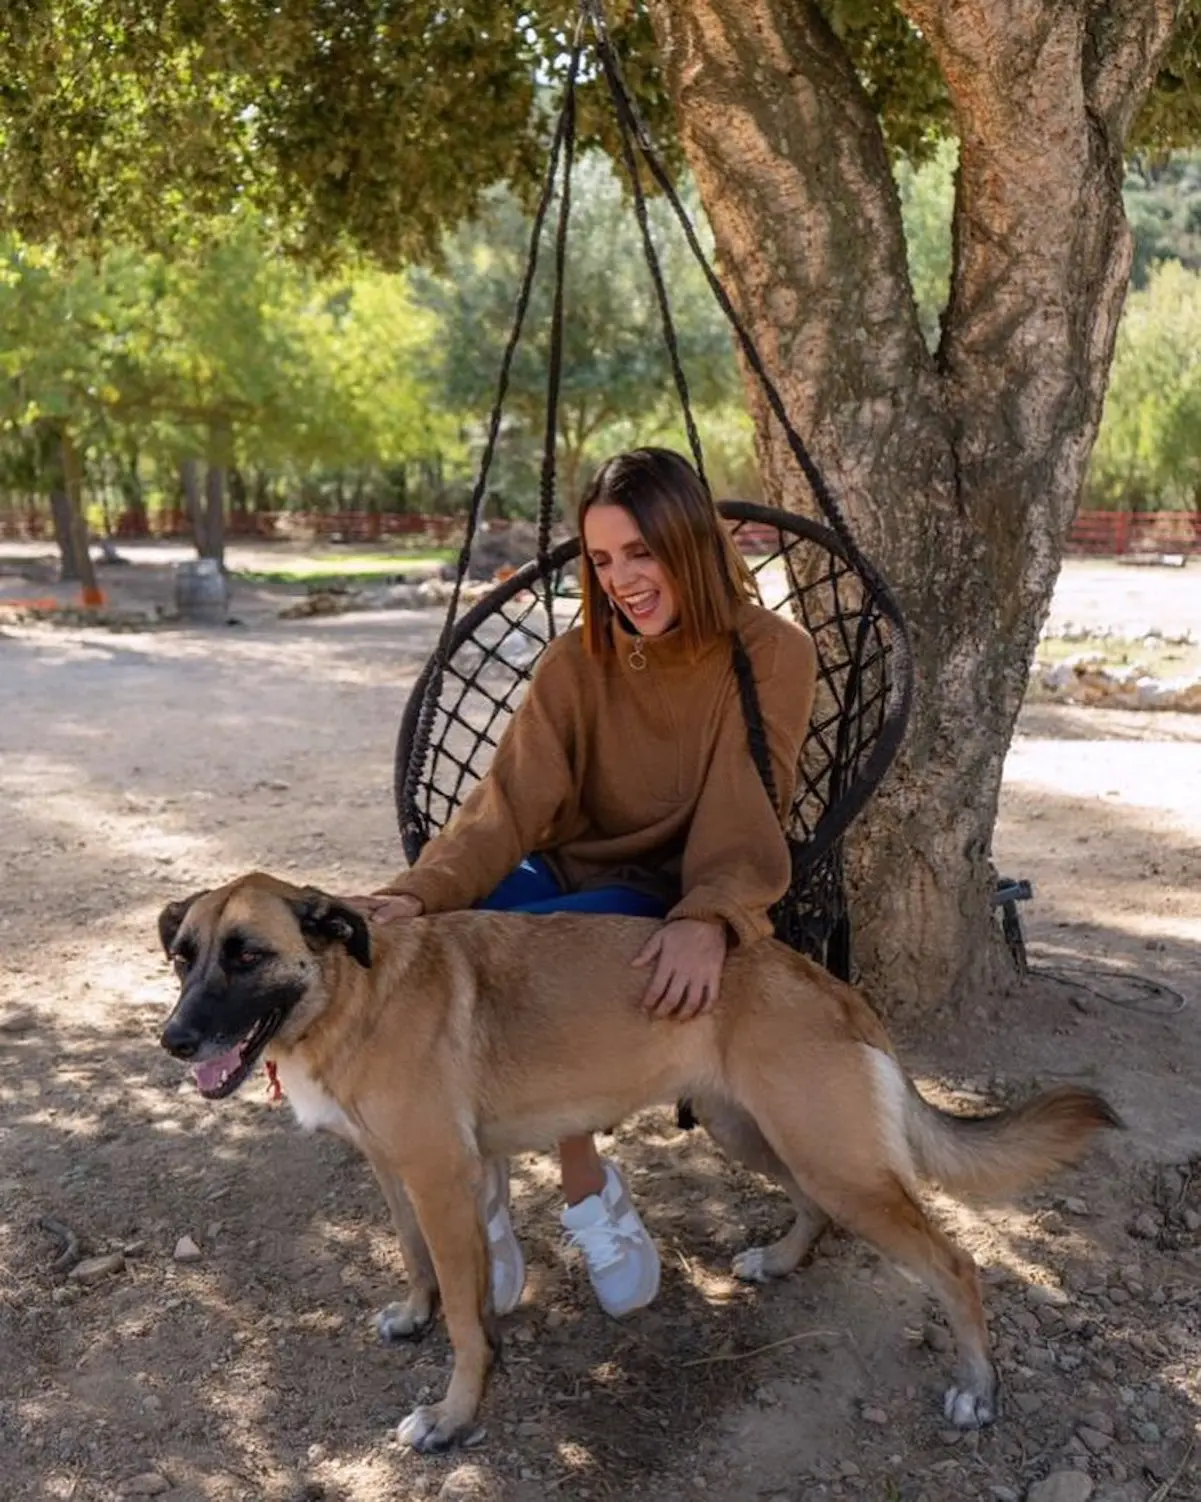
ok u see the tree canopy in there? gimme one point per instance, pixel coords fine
(1147, 453)
(615, 364)
(375, 126)
(358, 386)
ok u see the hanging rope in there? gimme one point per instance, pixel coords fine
(632, 121)
(475, 508)
(656, 274)
(546, 489)
(471, 685)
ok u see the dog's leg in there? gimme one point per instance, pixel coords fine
(872, 1201)
(896, 1224)
(444, 1193)
(736, 1133)
(412, 1315)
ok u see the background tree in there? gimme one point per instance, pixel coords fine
(1148, 453)
(927, 203)
(1163, 203)
(56, 329)
(615, 365)
(223, 361)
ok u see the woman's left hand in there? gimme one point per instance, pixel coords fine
(688, 955)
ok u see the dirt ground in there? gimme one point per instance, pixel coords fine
(136, 767)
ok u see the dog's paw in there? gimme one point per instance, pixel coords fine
(968, 1410)
(749, 1265)
(430, 1429)
(404, 1321)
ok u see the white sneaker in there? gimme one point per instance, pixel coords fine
(504, 1250)
(623, 1262)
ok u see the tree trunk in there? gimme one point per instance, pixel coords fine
(193, 499)
(220, 457)
(135, 521)
(72, 473)
(961, 469)
(214, 512)
(64, 534)
(66, 508)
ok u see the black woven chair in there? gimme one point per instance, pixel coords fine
(463, 699)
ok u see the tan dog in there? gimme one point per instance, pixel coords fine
(435, 1043)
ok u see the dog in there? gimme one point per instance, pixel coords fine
(435, 1043)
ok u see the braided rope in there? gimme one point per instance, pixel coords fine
(656, 274)
(421, 743)
(752, 713)
(864, 662)
(628, 112)
(546, 487)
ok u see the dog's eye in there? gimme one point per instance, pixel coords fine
(247, 959)
(182, 963)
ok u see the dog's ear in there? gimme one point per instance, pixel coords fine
(172, 916)
(323, 920)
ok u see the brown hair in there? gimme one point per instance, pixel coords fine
(672, 508)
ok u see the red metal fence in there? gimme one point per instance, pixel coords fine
(1093, 533)
(1116, 533)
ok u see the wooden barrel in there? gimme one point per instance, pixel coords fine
(201, 591)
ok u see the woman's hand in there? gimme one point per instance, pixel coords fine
(386, 907)
(688, 955)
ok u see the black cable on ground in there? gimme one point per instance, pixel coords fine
(1148, 992)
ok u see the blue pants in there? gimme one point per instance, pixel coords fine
(534, 888)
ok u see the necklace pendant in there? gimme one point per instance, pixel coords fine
(637, 658)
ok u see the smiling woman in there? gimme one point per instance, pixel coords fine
(625, 569)
(625, 783)
(656, 552)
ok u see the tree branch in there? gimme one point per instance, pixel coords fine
(1043, 96)
(983, 46)
(1124, 47)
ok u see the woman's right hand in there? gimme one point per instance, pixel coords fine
(387, 907)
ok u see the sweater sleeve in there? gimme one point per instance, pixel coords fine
(736, 859)
(525, 797)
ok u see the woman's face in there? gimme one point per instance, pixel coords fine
(628, 572)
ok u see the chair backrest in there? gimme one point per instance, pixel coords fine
(861, 707)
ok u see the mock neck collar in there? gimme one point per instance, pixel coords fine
(638, 653)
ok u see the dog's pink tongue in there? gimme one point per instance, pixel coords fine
(212, 1072)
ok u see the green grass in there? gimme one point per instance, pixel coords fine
(345, 568)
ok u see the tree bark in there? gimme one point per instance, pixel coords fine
(72, 472)
(66, 508)
(193, 499)
(961, 469)
(64, 534)
(214, 512)
(220, 457)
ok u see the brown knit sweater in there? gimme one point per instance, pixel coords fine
(604, 766)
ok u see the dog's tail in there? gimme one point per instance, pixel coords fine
(1000, 1154)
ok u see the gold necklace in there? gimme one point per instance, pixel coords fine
(637, 657)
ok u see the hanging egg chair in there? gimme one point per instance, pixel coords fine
(812, 570)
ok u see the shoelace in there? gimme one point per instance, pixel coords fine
(604, 1244)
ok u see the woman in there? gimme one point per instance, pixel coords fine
(625, 784)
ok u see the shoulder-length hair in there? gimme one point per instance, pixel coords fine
(675, 513)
